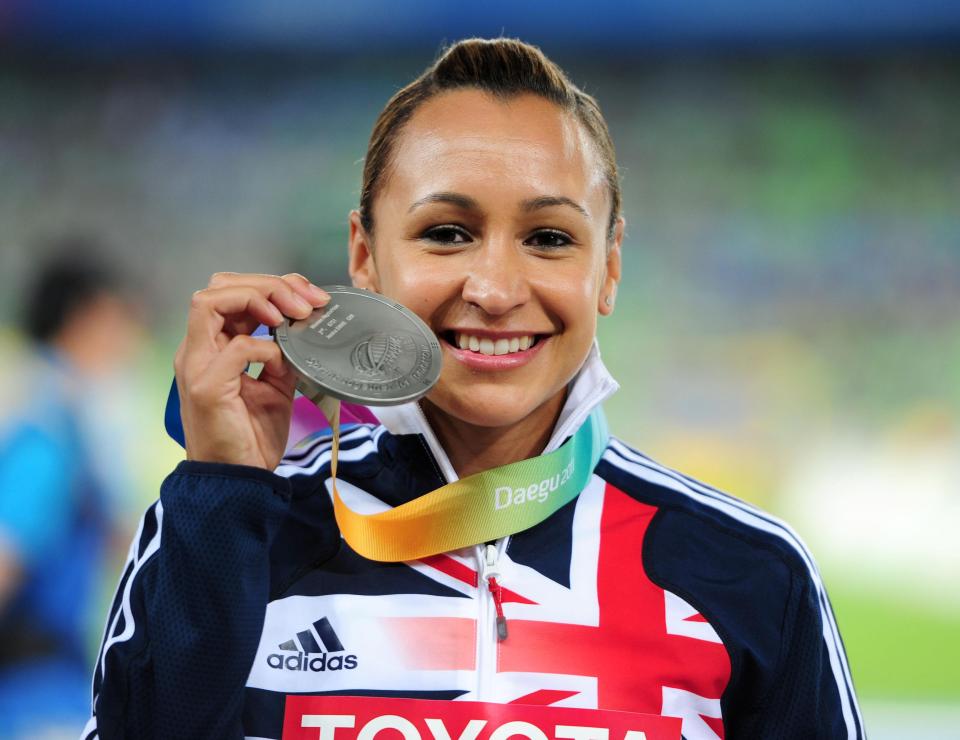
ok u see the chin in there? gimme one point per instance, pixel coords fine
(485, 409)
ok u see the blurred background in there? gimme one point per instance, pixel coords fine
(789, 322)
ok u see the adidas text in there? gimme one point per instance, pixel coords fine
(316, 664)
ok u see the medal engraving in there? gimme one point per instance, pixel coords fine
(361, 347)
(380, 356)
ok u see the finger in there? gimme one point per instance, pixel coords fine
(223, 371)
(281, 378)
(209, 312)
(279, 292)
(241, 324)
(211, 307)
(277, 366)
(313, 293)
(294, 281)
(179, 367)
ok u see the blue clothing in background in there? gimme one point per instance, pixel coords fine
(53, 519)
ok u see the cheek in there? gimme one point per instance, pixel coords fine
(573, 297)
(418, 286)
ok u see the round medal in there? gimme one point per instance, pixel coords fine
(361, 348)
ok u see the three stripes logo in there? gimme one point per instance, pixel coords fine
(303, 653)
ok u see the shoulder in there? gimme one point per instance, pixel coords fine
(747, 572)
(744, 569)
(704, 517)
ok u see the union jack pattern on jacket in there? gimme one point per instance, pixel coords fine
(650, 592)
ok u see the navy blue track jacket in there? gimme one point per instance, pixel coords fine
(650, 592)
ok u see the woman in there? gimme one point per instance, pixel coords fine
(490, 206)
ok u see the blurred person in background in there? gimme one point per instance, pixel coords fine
(55, 511)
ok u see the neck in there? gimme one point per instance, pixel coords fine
(473, 449)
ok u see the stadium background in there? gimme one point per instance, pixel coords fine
(789, 322)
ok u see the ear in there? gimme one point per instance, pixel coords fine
(363, 268)
(611, 274)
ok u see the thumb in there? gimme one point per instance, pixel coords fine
(280, 376)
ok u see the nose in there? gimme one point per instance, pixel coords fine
(496, 280)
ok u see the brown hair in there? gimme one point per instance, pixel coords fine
(504, 68)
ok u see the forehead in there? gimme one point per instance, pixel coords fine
(468, 140)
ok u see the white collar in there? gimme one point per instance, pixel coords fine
(592, 385)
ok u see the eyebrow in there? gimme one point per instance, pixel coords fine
(469, 204)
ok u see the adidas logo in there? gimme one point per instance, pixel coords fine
(305, 645)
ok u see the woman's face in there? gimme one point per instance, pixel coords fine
(491, 225)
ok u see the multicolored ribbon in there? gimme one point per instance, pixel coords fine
(479, 508)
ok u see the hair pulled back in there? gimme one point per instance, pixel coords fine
(504, 68)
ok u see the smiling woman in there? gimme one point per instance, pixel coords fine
(490, 207)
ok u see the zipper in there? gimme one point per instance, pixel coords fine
(491, 624)
(490, 573)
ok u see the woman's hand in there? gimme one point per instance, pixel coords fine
(229, 416)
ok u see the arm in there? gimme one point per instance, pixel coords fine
(186, 620)
(10, 571)
(189, 609)
(35, 499)
(814, 695)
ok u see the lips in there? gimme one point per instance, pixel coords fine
(493, 351)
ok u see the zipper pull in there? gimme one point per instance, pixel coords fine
(495, 590)
(490, 574)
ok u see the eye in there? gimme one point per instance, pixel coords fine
(446, 234)
(548, 239)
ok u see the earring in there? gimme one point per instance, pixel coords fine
(608, 300)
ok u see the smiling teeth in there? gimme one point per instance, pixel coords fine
(487, 346)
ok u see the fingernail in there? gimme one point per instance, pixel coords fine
(318, 293)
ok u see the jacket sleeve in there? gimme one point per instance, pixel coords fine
(813, 696)
(184, 626)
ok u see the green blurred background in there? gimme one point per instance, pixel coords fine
(788, 327)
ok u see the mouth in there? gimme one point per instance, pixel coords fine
(484, 351)
(491, 345)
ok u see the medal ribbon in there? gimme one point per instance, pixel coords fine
(482, 507)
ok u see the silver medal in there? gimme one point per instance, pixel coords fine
(361, 348)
